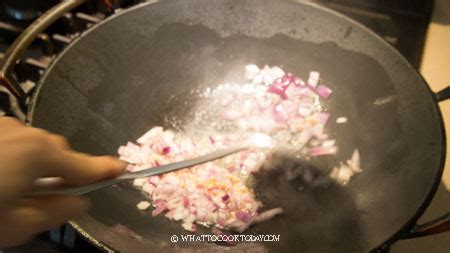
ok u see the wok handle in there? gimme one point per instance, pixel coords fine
(443, 94)
(436, 226)
(15, 51)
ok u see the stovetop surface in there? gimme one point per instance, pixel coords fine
(403, 23)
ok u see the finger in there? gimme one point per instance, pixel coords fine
(42, 184)
(10, 122)
(44, 137)
(44, 213)
(59, 141)
(79, 169)
(24, 218)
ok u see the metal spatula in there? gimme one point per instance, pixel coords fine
(255, 140)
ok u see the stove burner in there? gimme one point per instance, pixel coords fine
(26, 10)
(48, 44)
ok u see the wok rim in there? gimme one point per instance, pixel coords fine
(404, 229)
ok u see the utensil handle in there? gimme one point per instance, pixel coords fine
(144, 173)
(436, 226)
(443, 94)
(15, 51)
(78, 190)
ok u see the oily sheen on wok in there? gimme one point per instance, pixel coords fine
(219, 194)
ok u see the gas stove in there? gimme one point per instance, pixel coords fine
(402, 23)
(17, 15)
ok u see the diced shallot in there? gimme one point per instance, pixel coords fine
(251, 71)
(150, 134)
(313, 79)
(243, 216)
(273, 102)
(354, 162)
(323, 117)
(278, 88)
(143, 205)
(323, 91)
(329, 150)
(267, 215)
(341, 120)
(166, 150)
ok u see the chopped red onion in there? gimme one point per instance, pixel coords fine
(344, 174)
(323, 117)
(323, 91)
(189, 227)
(304, 111)
(328, 143)
(267, 75)
(215, 193)
(160, 206)
(276, 89)
(166, 150)
(287, 79)
(267, 215)
(280, 85)
(313, 79)
(279, 113)
(150, 134)
(143, 205)
(290, 107)
(231, 115)
(294, 91)
(251, 71)
(130, 167)
(185, 202)
(225, 197)
(244, 216)
(317, 151)
(341, 120)
(277, 72)
(354, 162)
(298, 81)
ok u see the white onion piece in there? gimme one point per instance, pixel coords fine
(323, 91)
(151, 133)
(323, 150)
(277, 72)
(143, 205)
(313, 79)
(189, 227)
(251, 71)
(344, 174)
(328, 143)
(341, 120)
(267, 75)
(139, 181)
(267, 215)
(354, 162)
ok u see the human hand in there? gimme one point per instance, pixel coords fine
(27, 154)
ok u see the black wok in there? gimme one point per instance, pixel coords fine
(114, 83)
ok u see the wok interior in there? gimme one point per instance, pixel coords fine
(103, 93)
